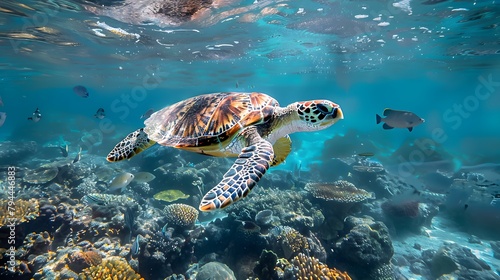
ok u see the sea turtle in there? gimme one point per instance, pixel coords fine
(250, 126)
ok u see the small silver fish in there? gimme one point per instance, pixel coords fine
(37, 115)
(399, 119)
(120, 181)
(147, 114)
(143, 177)
(100, 114)
(3, 116)
(81, 91)
(78, 156)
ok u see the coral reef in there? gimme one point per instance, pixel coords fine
(288, 242)
(110, 268)
(365, 248)
(18, 211)
(215, 270)
(457, 261)
(303, 267)
(180, 215)
(408, 215)
(79, 260)
(340, 191)
(289, 208)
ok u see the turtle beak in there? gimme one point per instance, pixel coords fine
(337, 113)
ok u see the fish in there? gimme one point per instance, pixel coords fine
(399, 119)
(129, 218)
(3, 116)
(64, 150)
(147, 114)
(143, 177)
(81, 91)
(78, 156)
(120, 181)
(37, 115)
(100, 114)
(136, 248)
(1, 102)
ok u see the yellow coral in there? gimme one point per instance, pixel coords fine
(292, 242)
(112, 268)
(18, 211)
(310, 268)
(340, 191)
(181, 215)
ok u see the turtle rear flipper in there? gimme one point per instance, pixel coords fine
(251, 164)
(133, 144)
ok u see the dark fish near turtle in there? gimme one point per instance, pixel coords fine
(147, 114)
(3, 116)
(399, 119)
(36, 116)
(81, 91)
(100, 114)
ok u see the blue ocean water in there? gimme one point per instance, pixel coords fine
(437, 59)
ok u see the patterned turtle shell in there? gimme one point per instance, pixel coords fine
(209, 119)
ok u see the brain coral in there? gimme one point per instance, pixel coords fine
(181, 215)
(340, 191)
(111, 268)
(18, 211)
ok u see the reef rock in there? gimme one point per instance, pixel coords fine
(460, 263)
(215, 270)
(366, 248)
(12, 153)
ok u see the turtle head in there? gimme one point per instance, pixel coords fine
(318, 114)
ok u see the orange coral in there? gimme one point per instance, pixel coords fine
(310, 268)
(110, 268)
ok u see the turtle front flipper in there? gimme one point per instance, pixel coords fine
(251, 164)
(282, 148)
(133, 144)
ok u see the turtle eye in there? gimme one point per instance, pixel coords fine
(323, 109)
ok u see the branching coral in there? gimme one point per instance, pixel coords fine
(110, 268)
(18, 211)
(340, 191)
(310, 268)
(180, 215)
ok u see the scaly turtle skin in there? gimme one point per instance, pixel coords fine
(249, 126)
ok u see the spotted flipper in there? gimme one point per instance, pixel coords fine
(251, 164)
(133, 144)
(282, 148)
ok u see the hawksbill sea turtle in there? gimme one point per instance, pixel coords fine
(249, 126)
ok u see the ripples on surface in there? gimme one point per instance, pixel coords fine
(246, 40)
